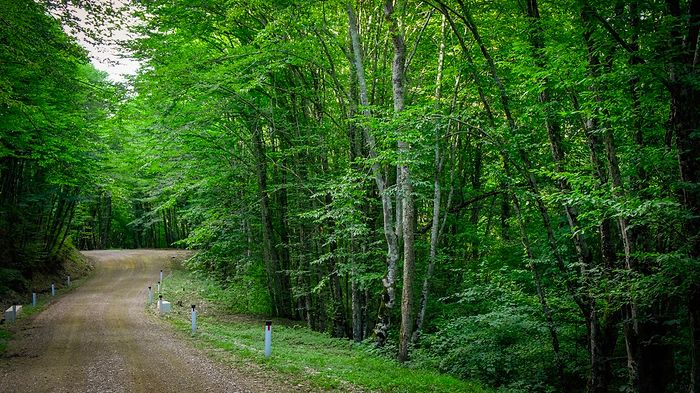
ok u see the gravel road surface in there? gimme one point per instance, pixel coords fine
(99, 338)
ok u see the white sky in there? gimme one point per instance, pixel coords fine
(107, 55)
(108, 58)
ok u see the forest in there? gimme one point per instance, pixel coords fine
(506, 191)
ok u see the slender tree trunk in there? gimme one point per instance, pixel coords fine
(537, 275)
(357, 333)
(336, 289)
(269, 251)
(407, 202)
(437, 194)
(477, 166)
(684, 124)
(105, 219)
(68, 224)
(354, 153)
(694, 318)
(166, 227)
(388, 294)
(283, 253)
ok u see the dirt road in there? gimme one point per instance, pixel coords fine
(99, 338)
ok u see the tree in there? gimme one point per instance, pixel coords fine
(54, 105)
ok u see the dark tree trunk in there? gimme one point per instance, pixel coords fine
(269, 250)
(684, 124)
(694, 314)
(546, 310)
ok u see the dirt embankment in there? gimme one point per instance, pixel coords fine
(72, 263)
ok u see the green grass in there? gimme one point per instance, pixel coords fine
(299, 355)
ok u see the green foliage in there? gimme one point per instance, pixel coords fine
(499, 339)
(53, 105)
(556, 140)
(299, 354)
(5, 336)
(11, 279)
(501, 349)
(240, 286)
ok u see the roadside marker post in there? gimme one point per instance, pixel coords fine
(164, 307)
(194, 320)
(161, 275)
(11, 313)
(268, 338)
(33, 299)
(159, 287)
(53, 289)
(150, 296)
(68, 281)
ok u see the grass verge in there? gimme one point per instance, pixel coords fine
(299, 355)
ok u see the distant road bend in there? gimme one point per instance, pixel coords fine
(100, 339)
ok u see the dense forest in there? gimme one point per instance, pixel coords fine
(507, 191)
(53, 140)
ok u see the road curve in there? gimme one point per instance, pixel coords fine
(99, 338)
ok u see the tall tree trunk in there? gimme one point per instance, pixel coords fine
(537, 275)
(66, 231)
(694, 318)
(354, 153)
(336, 289)
(269, 251)
(105, 223)
(477, 166)
(389, 282)
(684, 124)
(407, 203)
(357, 333)
(437, 194)
(166, 227)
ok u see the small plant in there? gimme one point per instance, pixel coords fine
(5, 336)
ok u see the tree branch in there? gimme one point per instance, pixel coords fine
(463, 205)
(615, 35)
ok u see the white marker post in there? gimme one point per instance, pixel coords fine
(33, 299)
(150, 296)
(268, 338)
(160, 304)
(68, 281)
(53, 289)
(161, 275)
(194, 320)
(158, 286)
(11, 313)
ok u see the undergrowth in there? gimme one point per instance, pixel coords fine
(299, 354)
(4, 338)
